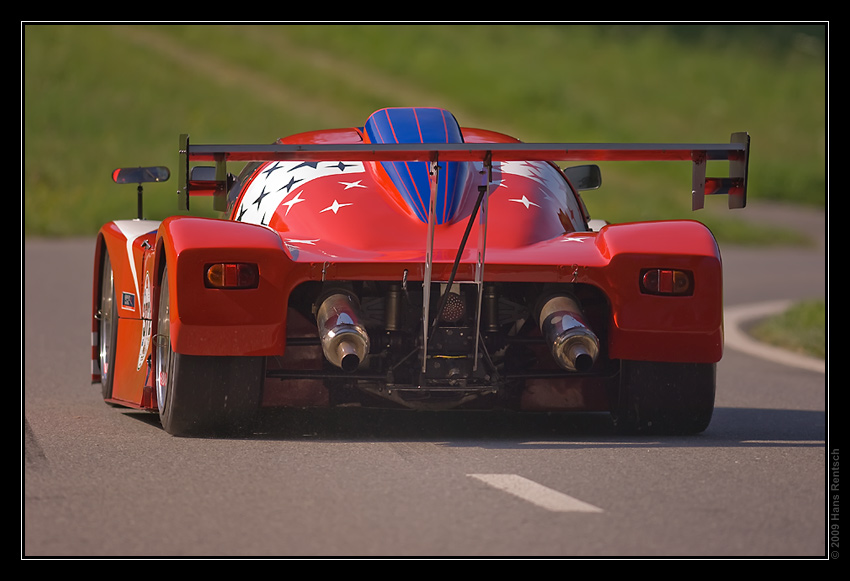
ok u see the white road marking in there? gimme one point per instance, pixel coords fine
(737, 339)
(535, 493)
(601, 443)
(787, 442)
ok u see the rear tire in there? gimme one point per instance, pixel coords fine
(201, 395)
(664, 398)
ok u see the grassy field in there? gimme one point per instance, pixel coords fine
(96, 97)
(802, 328)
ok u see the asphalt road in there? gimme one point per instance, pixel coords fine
(99, 481)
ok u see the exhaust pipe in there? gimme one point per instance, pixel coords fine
(574, 346)
(344, 340)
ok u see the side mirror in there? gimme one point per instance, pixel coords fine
(138, 175)
(584, 177)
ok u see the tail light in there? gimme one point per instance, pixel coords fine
(663, 281)
(231, 275)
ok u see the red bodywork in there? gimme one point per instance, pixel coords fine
(350, 224)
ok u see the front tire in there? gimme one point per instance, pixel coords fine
(664, 398)
(108, 327)
(200, 395)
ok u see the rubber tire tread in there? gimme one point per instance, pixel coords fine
(665, 398)
(213, 396)
(107, 379)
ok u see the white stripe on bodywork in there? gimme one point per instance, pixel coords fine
(132, 229)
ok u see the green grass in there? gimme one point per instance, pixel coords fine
(802, 329)
(96, 97)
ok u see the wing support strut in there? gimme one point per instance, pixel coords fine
(429, 260)
(484, 198)
(480, 211)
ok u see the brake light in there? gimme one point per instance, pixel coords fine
(232, 275)
(663, 281)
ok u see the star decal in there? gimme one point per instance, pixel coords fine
(288, 187)
(312, 242)
(292, 246)
(259, 199)
(292, 202)
(349, 185)
(525, 202)
(273, 168)
(334, 207)
(312, 164)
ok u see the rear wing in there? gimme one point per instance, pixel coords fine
(736, 152)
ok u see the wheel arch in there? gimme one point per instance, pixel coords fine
(115, 240)
(209, 321)
(658, 327)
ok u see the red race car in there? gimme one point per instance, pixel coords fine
(411, 263)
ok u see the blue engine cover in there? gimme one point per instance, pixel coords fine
(422, 125)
